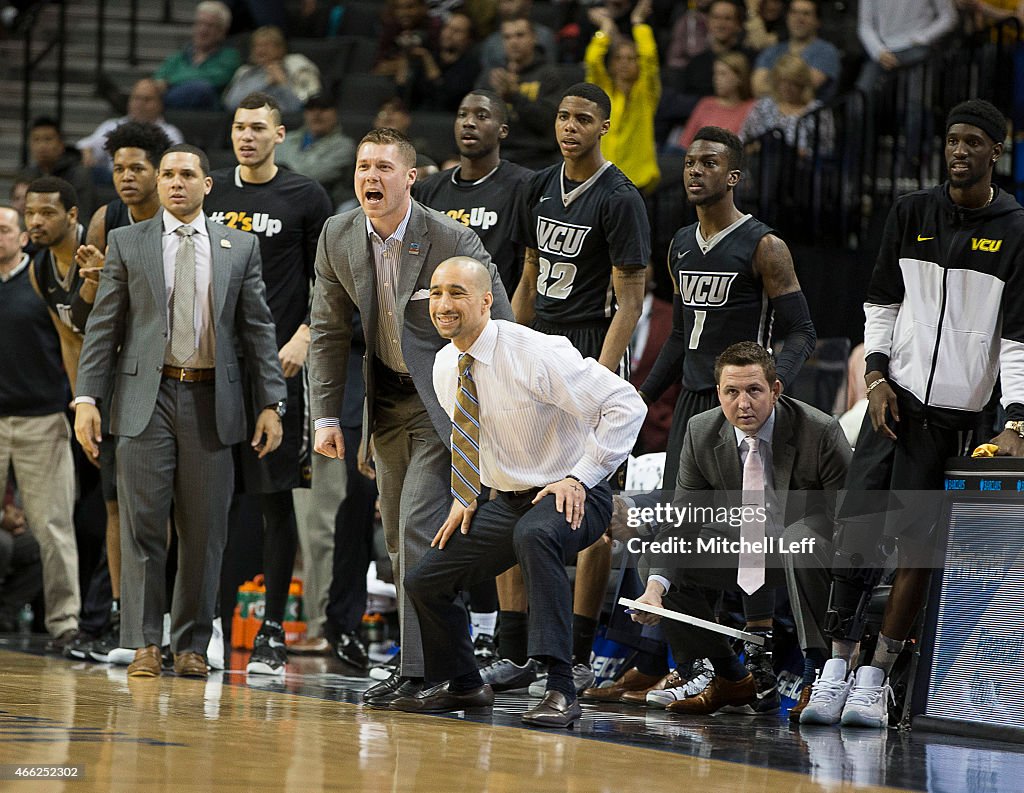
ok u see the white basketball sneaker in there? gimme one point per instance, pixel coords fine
(828, 696)
(867, 705)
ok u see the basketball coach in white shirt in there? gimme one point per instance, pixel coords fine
(536, 432)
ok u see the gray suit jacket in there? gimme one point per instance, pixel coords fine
(809, 453)
(345, 282)
(126, 336)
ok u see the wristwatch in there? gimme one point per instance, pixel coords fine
(1015, 426)
(280, 408)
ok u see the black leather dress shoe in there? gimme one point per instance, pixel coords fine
(553, 711)
(439, 699)
(385, 692)
(351, 652)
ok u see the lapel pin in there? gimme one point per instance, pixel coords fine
(225, 243)
(414, 249)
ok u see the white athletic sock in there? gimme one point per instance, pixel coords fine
(483, 622)
(886, 652)
(846, 649)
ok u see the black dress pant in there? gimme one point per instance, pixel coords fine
(506, 530)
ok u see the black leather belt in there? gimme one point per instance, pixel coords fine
(398, 381)
(530, 491)
(183, 375)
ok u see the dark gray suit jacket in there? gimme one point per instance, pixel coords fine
(809, 453)
(126, 336)
(345, 282)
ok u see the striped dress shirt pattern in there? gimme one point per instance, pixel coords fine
(545, 411)
(387, 258)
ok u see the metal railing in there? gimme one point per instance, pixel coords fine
(133, 35)
(887, 141)
(29, 23)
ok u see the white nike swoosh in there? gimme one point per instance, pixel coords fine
(544, 198)
(681, 255)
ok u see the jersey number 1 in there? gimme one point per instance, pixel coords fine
(564, 272)
(698, 328)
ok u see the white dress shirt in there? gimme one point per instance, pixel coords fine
(387, 258)
(764, 448)
(545, 411)
(205, 339)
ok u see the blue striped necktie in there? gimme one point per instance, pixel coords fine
(466, 436)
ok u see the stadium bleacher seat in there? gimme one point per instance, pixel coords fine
(207, 129)
(364, 92)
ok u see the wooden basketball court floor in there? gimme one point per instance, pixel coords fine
(305, 732)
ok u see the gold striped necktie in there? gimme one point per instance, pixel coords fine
(466, 436)
(183, 298)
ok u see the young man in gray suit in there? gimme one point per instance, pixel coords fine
(378, 260)
(766, 447)
(176, 297)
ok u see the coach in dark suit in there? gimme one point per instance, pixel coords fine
(802, 460)
(379, 259)
(177, 296)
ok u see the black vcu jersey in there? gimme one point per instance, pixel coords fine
(117, 216)
(723, 299)
(287, 214)
(580, 230)
(61, 294)
(488, 206)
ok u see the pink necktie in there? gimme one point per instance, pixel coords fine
(750, 571)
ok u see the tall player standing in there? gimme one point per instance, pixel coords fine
(135, 149)
(286, 212)
(587, 239)
(481, 191)
(734, 281)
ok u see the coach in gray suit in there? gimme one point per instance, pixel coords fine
(379, 259)
(177, 296)
(804, 455)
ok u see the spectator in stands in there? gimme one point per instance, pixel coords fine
(21, 571)
(791, 108)
(394, 114)
(19, 187)
(492, 51)
(532, 90)
(145, 105)
(632, 80)
(290, 78)
(766, 23)
(573, 36)
(194, 76)
(438, 82)
(36, 437)
(823, 58)
(728, 108)
(683, 90)
(899, 34)
(981, 13)
(689, 35)
(320, 150)
(51, 157)
(407, 26)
